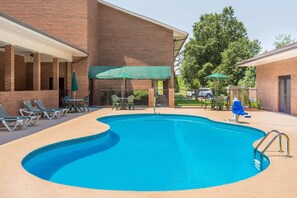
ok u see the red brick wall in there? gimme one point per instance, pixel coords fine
(93, 32)
(2, 62)
(111, 37)
(20, 79)
(29, 71)
(47, 73)
(12, 101)
(268, 84)
(81, 69)
(139, 84)
(9, 68)
(116, 84)
(65, 19)
(128, 40)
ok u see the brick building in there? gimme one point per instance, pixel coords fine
(276, 78)
(42, 42)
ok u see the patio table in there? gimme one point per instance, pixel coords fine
(123, 100)
(74, 107)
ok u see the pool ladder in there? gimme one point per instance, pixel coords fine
(277, 134)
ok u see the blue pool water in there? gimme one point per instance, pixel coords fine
(151, 153)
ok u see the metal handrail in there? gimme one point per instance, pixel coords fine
(279, 135)
(266, 136)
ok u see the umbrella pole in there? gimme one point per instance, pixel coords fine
(155, 96)
(123, 87)
(216, 91)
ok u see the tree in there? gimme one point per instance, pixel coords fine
(249, 79)
(282, 40)
(176, 84)
(237, 51)
(219, 42)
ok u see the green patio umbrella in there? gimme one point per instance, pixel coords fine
(74, 86)
(217, 77)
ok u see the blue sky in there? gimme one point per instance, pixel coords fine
(264, 19)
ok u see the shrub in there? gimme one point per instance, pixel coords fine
(141, 97)
(258, 104)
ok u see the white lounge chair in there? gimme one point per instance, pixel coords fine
(62, 111)
(27, 120)
(32, 111)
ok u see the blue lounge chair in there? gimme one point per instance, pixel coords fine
(237, 110)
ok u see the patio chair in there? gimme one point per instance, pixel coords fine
(65, 104)
(237, 110)
(32, 111)
(60, 111)
(116, 103)
(85, 103)
(130, 102)
(26, 119)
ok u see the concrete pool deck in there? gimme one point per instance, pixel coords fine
(278, 180)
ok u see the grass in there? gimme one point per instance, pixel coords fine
(181, 100)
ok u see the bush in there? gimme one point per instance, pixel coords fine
(141, 97)
(246, 97)
(258, 104)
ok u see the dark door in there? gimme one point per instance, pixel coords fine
(91, 88)
(285, 94)
(61, 90)
(51, 83)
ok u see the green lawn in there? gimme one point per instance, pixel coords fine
(181, 100)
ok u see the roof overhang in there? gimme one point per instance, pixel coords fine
(130, 72)
(287, 52)
(17, 33)
(179, 36)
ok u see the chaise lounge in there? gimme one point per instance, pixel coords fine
(60, 111)
(12, 122)
(32, 111)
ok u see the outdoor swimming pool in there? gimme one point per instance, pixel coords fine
(148, 152)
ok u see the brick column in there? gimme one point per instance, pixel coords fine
(171, 80)
(55, 74)
(36, 71)
(9, 68)
(171, 98)
(151, 98)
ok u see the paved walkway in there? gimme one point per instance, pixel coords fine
(43, 123)
(278, 180)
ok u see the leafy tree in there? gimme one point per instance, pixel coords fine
(282, 40)
(219, 42)
(176, 84)
(249, 79)
(237, 51)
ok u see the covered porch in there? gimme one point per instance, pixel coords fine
(33, 65)
(144, 82)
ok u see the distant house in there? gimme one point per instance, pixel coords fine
(276, 79)
(42, 42)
